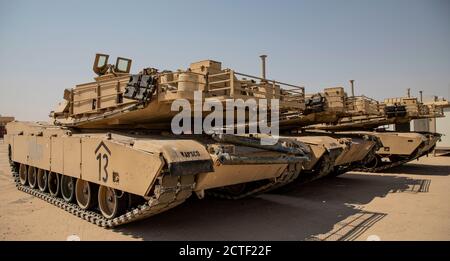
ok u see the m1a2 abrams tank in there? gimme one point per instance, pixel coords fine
(324, 152)
(399, 147)
(328, 107)
(330, 154)
(358, 150)
(396, 147)
(327, 153)
(109, 156)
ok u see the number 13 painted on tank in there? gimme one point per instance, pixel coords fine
(103, 160)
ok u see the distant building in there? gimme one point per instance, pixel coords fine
(439, 125)
(443, 127)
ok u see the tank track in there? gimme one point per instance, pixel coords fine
(289, 175)
(353, 167)
(396, 163)
(322, 170)
(292, 174)
(169, 192)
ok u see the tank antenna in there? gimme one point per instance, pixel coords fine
(353, 89)
(263, 66)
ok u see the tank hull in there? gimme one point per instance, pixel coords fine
(153, 168)
(397, 148)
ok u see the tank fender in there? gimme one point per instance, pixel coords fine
(183, 157)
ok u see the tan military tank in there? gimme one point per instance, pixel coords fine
(324, 153)
(328, 153)
(360, 150)
(328, 107)
(396, 147)
(109, 157)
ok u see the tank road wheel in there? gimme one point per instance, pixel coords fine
(374, 163)
(23, 174)
(32, 179)
(67, 188)
(86, 194)
(111, 203)
(42, 179)
(53, 184)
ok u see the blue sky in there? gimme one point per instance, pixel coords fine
(385, 45)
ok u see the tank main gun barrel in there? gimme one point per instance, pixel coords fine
(301, 150)
(227, 159)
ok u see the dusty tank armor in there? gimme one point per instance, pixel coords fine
(329, 154)
(395, 148)
(325, 108)
(108, 157)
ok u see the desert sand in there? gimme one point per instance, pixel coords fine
(405, 203)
